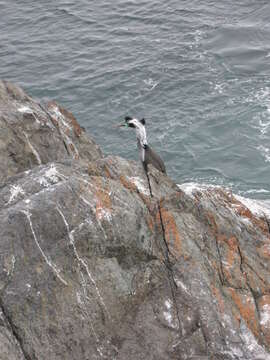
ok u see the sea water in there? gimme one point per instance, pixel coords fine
(197, 71)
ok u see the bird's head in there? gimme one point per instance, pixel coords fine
(139, 126)
(134, 123)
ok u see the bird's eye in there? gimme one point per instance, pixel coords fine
(131, 125)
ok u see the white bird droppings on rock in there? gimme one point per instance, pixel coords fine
(168, 315)
(15, 191)
(139, 184)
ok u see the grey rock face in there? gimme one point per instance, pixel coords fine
(32, 134)
(92, 267)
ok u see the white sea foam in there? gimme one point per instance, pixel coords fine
(257, 207)
(257, 191)
(191, 188)
(151, 84)
(265, 152)
(262, 119)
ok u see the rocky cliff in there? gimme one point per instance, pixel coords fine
(92, 267)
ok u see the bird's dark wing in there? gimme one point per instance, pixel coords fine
(151, 157)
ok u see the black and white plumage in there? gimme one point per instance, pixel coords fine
(147, 154)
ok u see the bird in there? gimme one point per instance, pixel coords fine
(147, 154)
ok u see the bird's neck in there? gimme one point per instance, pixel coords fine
(141, 137)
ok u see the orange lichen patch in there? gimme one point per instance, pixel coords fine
(217, 294)
(232, 253)
(264, 308)
(171, 231)
(247, 310)
(128, 184)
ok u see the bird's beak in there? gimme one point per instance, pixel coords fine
(121, 125)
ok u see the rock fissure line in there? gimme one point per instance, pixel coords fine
(249, 286)
(167, 261)
(15, 333)
(221, 272)
(168, 265)
(149, 184)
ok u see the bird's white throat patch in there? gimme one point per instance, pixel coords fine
(140, 132)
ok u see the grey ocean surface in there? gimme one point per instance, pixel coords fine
(198, 71)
